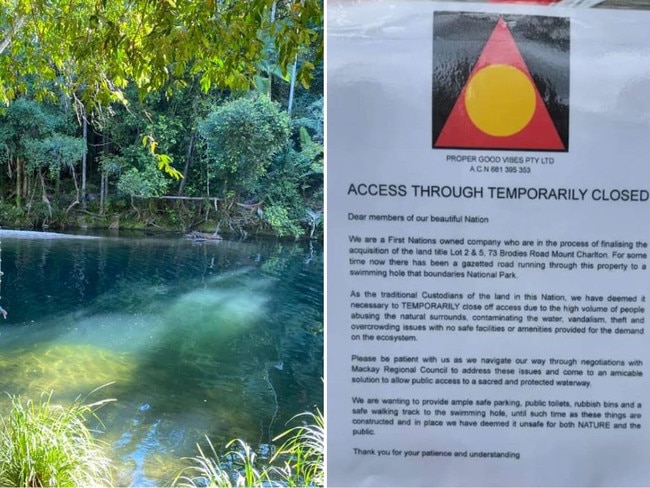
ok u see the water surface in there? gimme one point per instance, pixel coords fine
(217, 338)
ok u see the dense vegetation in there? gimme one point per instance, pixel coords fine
(180, 125)
(47, 444)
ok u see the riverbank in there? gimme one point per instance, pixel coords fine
(167, 217)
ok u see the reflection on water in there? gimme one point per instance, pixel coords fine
(223, 339)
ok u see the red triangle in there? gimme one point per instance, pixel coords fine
(543, 2)
(460, 132)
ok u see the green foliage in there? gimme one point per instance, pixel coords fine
(311, 150)
(56, 152)
(138, 173)
(310, 117)
(298, 462)
(94, 49)
(241, 137)
(110, 165)
(280, 221)
(38, 133)
(164, 162)
(291, 189)
(285, 205)
(146, 182)
(13, 216)
(44, 444)
(22, 121)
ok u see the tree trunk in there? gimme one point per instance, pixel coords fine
(84, 159)
(25, 179)
(76, 187)
(103, 189)
(292, 87)
(273, 9)
(102, 193)
(44, 198)
(18, 24)
(188, 160)
(19, 185)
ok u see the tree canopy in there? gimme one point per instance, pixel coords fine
(91, 50)
(241, 138)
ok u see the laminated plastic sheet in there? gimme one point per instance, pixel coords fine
(487, 245)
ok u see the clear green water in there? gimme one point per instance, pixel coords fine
(216, 338)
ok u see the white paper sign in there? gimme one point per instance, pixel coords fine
(487, 281)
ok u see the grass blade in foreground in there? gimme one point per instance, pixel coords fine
(301, 455)
(304, 447)
(44, 444)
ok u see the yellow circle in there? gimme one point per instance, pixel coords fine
(500, 100)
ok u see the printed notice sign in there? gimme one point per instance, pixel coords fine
(487, 274)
